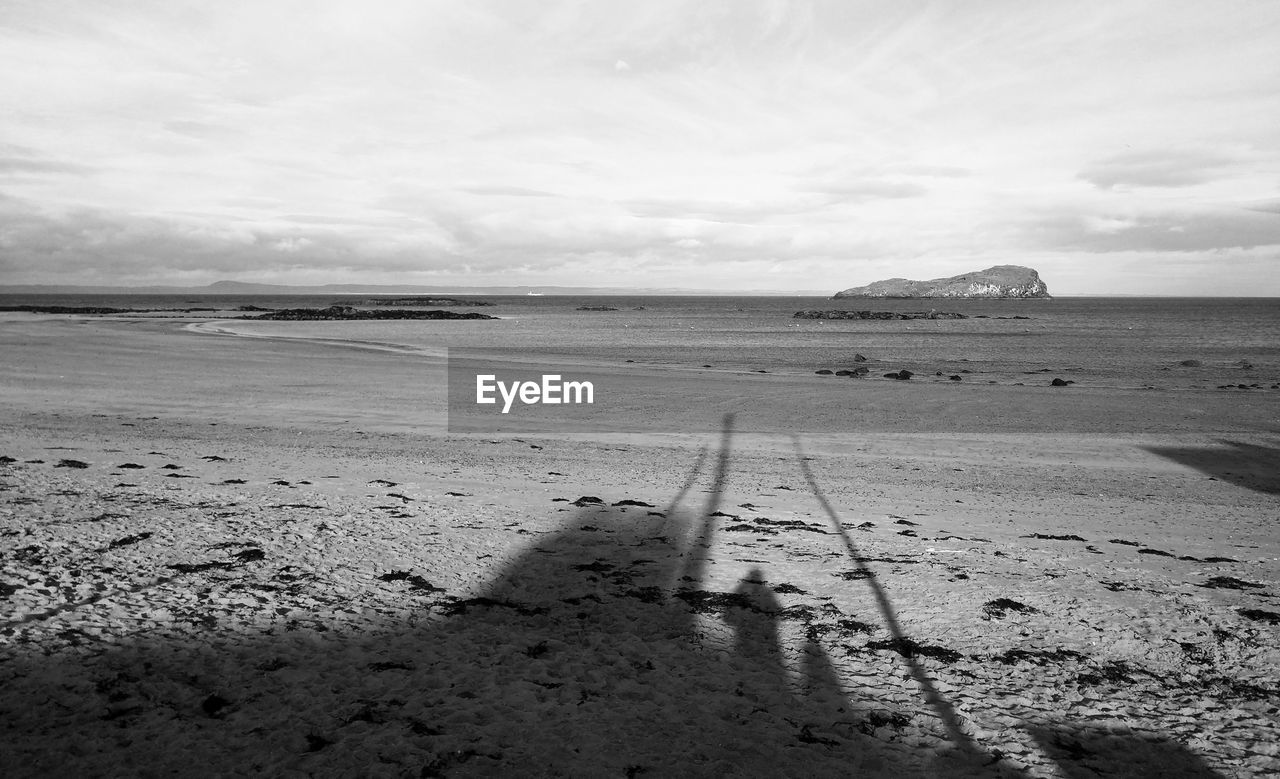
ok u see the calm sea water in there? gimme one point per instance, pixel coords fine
(1110, 341)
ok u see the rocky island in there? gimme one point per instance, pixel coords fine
(1001, 281)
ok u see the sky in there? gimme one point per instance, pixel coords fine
(1118, 147)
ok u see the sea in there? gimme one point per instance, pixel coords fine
(1169, 343)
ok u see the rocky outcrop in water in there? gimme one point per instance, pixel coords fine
(1001, 281)
(93, 310)
(417, 300)
(350, 312)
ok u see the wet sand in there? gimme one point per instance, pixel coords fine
(928, 579)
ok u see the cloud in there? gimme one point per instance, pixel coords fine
(110, 247)
(743, 212)
(21, 165)
(18, 160)
(199, 130)
(929, 171)
(859, 191)
(1264, 206)
(1164, 168)
(507, 191)
(1166, 231)
(292, 244)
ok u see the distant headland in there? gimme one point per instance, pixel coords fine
(1001, 281)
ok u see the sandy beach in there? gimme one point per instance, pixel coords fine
(228, 555)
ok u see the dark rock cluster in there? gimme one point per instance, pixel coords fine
(856, 372)
(845, 314)
(69, 309)
(351, 312)
(417, 300)
(94, 310)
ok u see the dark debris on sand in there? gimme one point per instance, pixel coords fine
(1037, 656)
(998, 608)
(1228, 583)
(455, 607)
(250, 555)
(415, 581)
(908, 647)
(128, 540)
(1260, 615)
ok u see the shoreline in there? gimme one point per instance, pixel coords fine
(369, 376)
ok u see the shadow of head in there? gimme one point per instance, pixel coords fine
(1246, 465)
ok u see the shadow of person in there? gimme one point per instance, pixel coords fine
(637, 672)
(754, 620)
(635, 664)
(642, 665)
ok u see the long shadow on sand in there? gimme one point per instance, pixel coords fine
(599, 651)
(1247, 465)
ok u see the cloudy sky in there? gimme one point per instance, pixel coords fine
(1128, 147)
